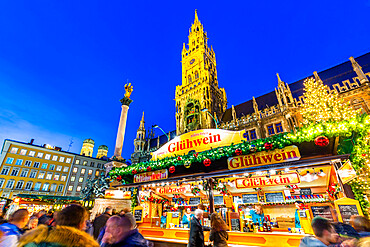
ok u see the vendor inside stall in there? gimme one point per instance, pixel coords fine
(257, 214)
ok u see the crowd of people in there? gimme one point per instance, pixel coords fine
(71, 227)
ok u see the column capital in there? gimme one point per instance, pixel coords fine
(126, 101)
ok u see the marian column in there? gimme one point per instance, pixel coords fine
(126, 101)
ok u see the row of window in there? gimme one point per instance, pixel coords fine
(28, 163)
(70, 188)
(92, 164)
(20, 184)
(80, 179)
(83, 171)
(24, 173)
(274, 128)
(40, 155)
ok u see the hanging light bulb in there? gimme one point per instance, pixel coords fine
(259, 173)
(231, 184)
(246, 174)
(308, 177)
(286, 169)
(272, 172)
(321, 173)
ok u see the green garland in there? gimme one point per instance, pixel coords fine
(133, 198)
(304, 134)
(359, 193)
(353, 133)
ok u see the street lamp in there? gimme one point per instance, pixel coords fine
(216, 120)
(157, 127)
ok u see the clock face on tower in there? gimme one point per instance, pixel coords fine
(192, 61)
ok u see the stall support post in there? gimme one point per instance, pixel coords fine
(137, 195)
(210, 199)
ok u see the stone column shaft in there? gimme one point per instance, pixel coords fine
(121, 132)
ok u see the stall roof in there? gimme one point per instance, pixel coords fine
(48, 197)
(293, 164)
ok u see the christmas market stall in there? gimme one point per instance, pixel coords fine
(36, 203)
(267, 189)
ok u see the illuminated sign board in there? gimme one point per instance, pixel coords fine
(151, 176)
(174, 189)
(346, 172)
(198, 141)
(263, 181)
(286, 154)
(117, 194)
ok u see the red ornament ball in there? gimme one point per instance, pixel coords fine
(322, 141)
(119, 178)
(238, 152)
(268, 146)
(207, 162)
(363, 155)
(179, 158)
(172, 169)
(195, 155)
(148, 168)
(134, 172)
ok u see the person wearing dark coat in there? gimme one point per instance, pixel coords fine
(196, 236)
(121, 232)
(218, 234)
(100, 221)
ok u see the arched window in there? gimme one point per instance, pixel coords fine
(2, 181)
(19, 185)
(37, 186)
(53, 187)
(196, 75)
(10, 184)
(45, 187)
(189, 78)
(28, 185)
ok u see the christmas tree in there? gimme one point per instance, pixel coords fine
(323, 105)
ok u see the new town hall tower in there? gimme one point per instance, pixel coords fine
(199, 89)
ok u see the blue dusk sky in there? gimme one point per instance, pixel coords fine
(63, 64)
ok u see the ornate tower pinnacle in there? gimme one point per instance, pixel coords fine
(139, 141)
(279, 80)
(357, 68)
(317, 78)
(142, 123)
(283, 93)
(199, 89)
(196, 16)
(255, 107)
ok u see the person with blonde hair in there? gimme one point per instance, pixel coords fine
(218, 233)
(361, 225)
(32, 223)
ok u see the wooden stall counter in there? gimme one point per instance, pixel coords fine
(268, 239)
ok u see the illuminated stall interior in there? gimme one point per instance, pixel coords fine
(232, 194)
